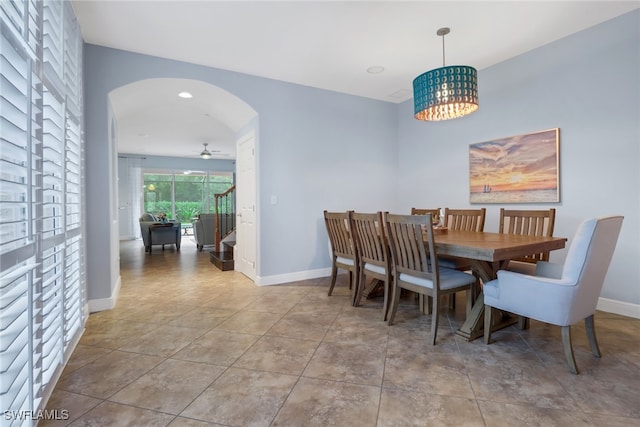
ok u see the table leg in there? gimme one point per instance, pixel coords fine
(473, 326)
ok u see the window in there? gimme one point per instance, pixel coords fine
(42, 278)
(183, 195)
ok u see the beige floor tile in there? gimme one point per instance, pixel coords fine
(217, 347)
(163, 341)
(188, 422)
(522, 381)
(356, 363)
(311, 326)
(115, 333)
(416, 408)
(70, 406)
(429, 372)
(203, 318)
(107, 374)
(250, 322)
(507, 415)
(278, 354)
(109, 414)
(315, 402)
(170, 386)
(242, 397)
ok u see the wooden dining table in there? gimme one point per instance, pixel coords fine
(487, 253)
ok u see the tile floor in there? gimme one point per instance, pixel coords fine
(189, 345)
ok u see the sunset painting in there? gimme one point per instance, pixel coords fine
(518, 169)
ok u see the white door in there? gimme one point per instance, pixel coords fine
(246, 235)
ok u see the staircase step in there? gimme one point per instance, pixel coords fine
(222, 260)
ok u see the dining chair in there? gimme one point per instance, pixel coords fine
(529, 223)
(373, 253)
(466, 220)
(419, 211)
(415, 266)
(560, 294)
(344, 254)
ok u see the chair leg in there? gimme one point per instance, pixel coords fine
(523, 323)
(435, 316)
(334, 276)
(385, 303)
(487, 324)
(359, 290)
(591, 334)
(452, 301)
(568, 350)
(394, 303)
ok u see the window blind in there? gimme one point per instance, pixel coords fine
(42, 271)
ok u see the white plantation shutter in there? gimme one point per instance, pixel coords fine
(42, 273)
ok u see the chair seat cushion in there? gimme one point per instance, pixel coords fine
(342, 260)
(449, 279)
(375, 268)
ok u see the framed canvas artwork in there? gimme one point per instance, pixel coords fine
(517, 169)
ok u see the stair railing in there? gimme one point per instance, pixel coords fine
(225, 210)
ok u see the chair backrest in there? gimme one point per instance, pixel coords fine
(588, 260)
(419, 211)
(370, 238)
(412, 246)
(465, 219)
(146, 217)
(530, 223)
(339, 226)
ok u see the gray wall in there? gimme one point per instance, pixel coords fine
(588, 85)
(323, 150)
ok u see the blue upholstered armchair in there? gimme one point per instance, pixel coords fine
(204, 230)
(560, 294)
(155, 233)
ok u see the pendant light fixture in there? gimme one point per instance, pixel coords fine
(205, 153)
(447, 92)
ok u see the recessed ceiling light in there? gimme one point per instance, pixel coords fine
(375, 69)
(185, 95)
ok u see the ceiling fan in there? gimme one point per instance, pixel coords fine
(206, 154)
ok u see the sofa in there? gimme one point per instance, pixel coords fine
(155, 232)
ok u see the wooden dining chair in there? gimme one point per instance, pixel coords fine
(467, 220)
(373, 253)
(344, 254)
(529, 223)
(420, 211)
(415, 266)
(464, 219)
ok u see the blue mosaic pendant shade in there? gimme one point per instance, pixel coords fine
(445, 93)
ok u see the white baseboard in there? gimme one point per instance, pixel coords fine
(279, 279)
(102, 304)
(619, 307)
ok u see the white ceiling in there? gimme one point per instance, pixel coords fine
(323, 44)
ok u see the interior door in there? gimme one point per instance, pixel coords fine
(246, 233)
